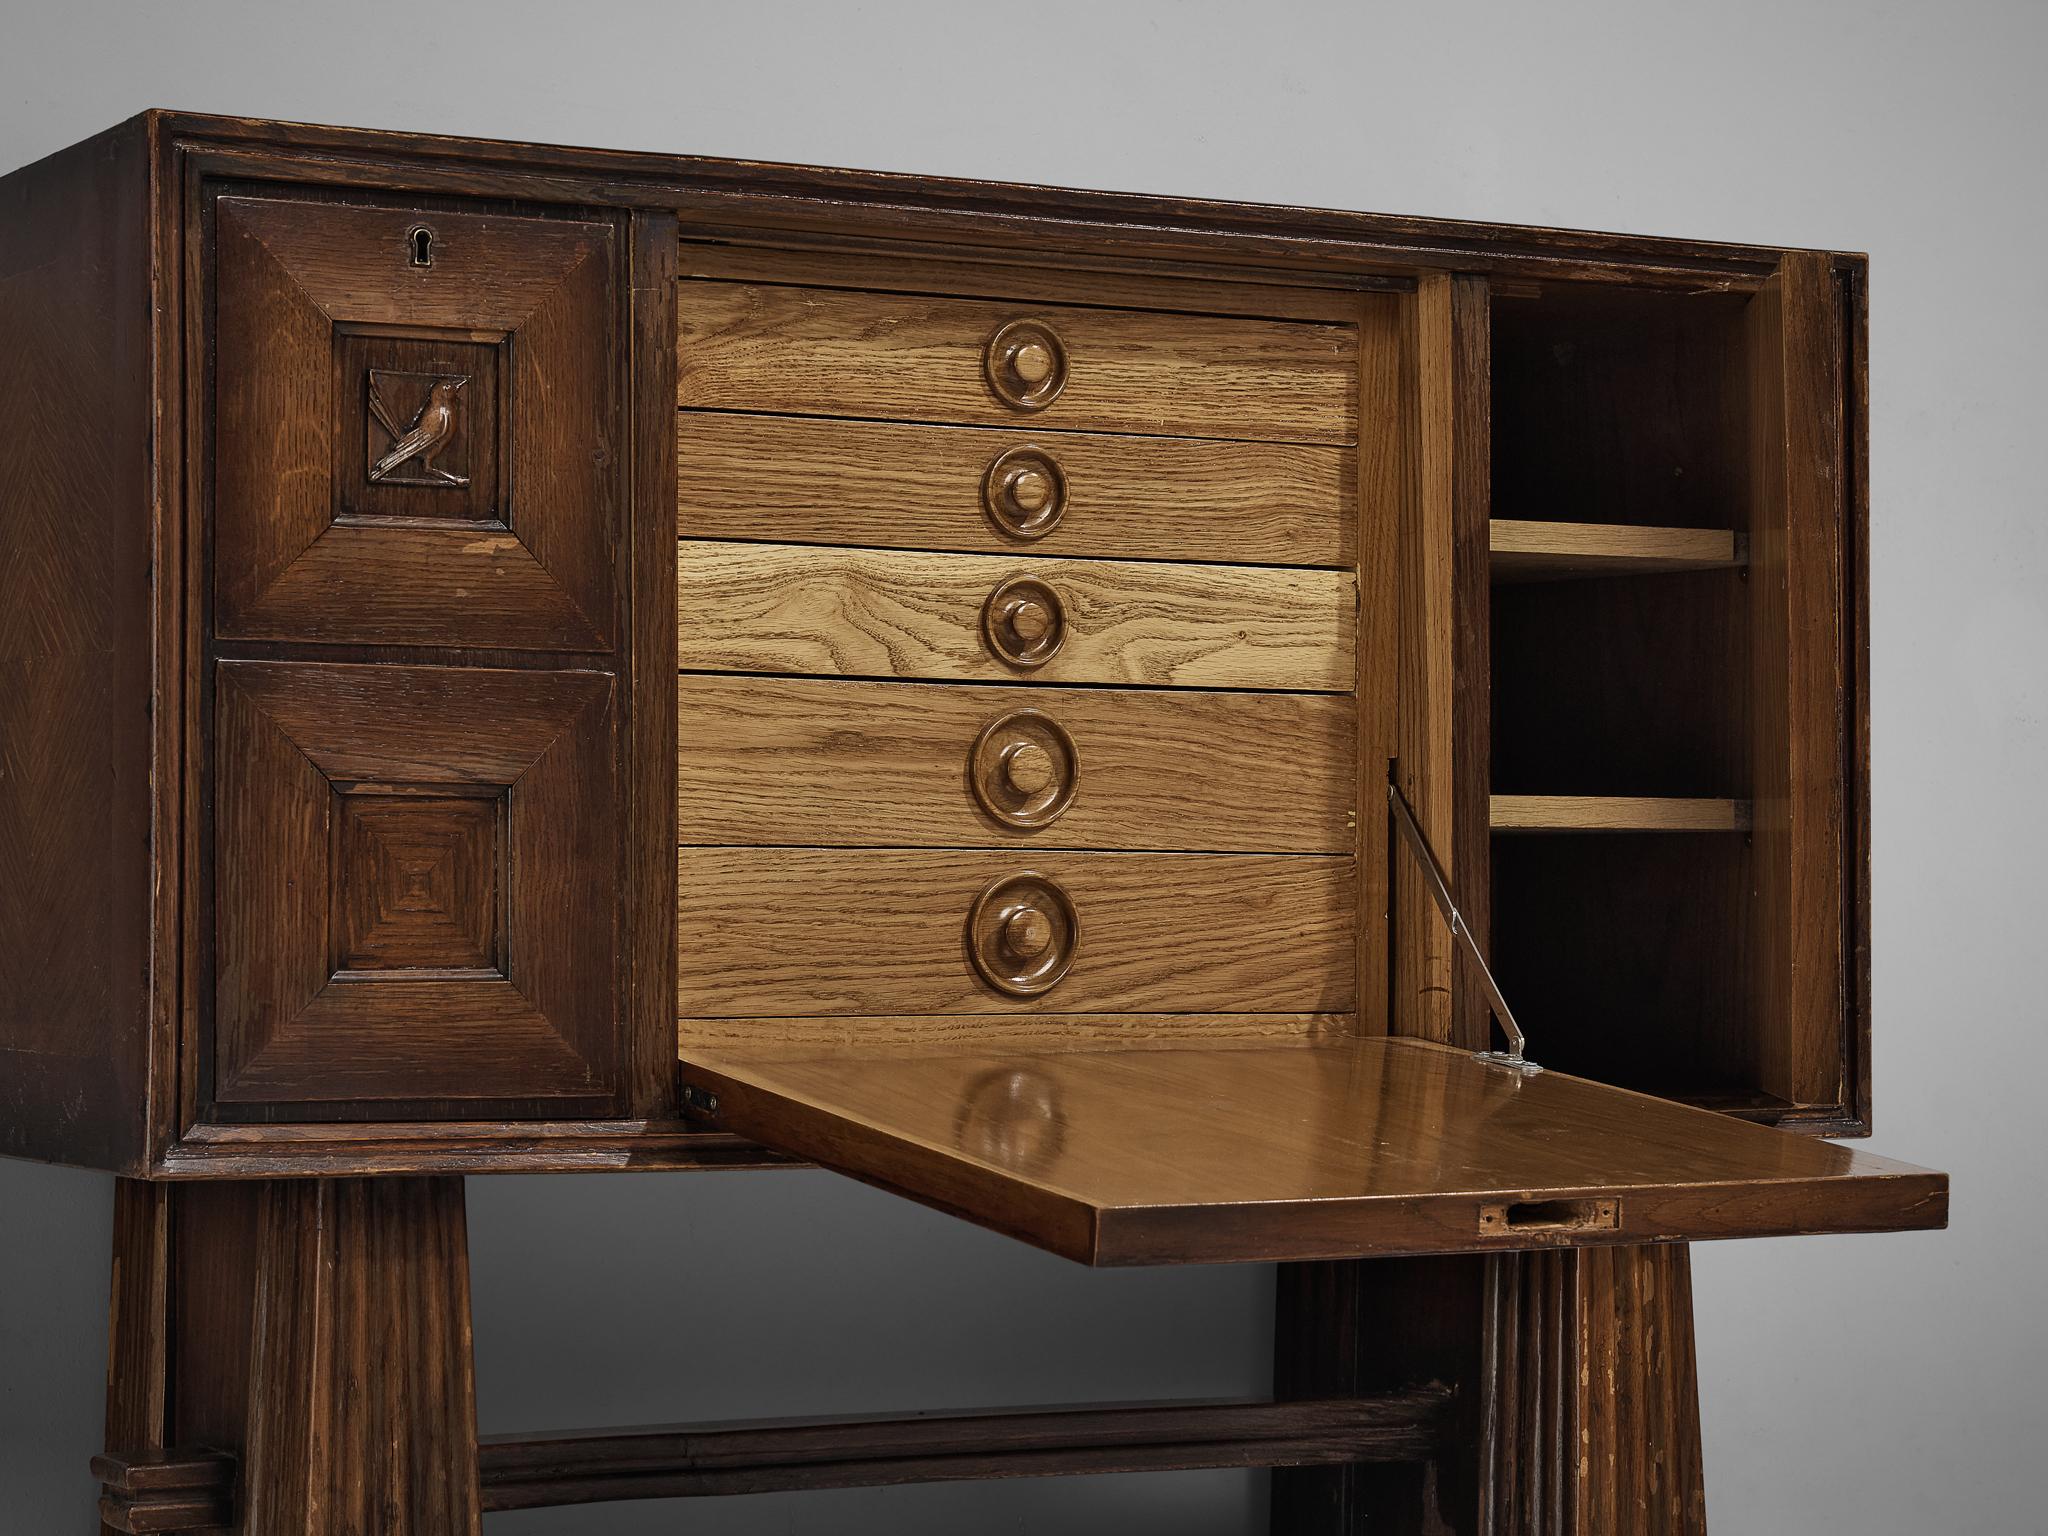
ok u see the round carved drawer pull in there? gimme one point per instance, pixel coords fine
(1024, 493)
(1026, 365)
(1024, 622)
(1022, 933)
(1024, 769)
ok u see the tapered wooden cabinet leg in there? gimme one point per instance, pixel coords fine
(362, 1406)
(1598, 1395)
(1639, 1468)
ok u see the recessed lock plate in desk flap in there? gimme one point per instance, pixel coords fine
(1349, 1148)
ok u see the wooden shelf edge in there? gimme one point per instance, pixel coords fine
(1616, 813)
(1545, 551)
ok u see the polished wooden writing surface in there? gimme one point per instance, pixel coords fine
(1340, 1149)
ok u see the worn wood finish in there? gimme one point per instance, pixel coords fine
(896, 485)
(416, 897)
(79, 992)
(139, 1326)
(647, 829)
(166, 1491)
(798, 761)
(1545, 551)
(1595, 1395)
(922, 1034)
(1616, 813)
(535, 1471)
(901, 357)
(1111, 230)
(878, 613)
(1443, 662)
(1636, 1385)
(178, 1355)
(312, 300)
(1371, 1326)
(1362, 1147)
(362, 1409)
(1384, 486)
(1801, 742)
(846, 260)
(879, 931)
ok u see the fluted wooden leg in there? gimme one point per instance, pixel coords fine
(1598, 1396)
(1577, 1389)
(362, 1406)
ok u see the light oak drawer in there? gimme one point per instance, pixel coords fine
(882, 613)
(813, 480)
(860, 764)
(765, 931)
(901, 357)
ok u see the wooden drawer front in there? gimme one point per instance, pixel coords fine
(791, 761)
(881, 613)
(768, 931)
(337, 351)
(414, 886)
(897, 357)
(800, 480)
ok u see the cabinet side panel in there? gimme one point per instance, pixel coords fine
(75, 653)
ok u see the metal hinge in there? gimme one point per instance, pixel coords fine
(1440, 888)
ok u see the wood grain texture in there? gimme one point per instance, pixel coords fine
(178, 1355)
(1545, 551)
(1626, 956)
(139, 1325)
(1362, 1147)
(166, 1491)
(854, 764)
(922, 1034)
(1616, 813)
(648, 825)
(1799, 651)
(879, 931)
(1619, 405)
(901, 357)
(971, 216)
(1385, 469)
(363, 1399)
(1444, 670)
(1594, 1394)
(77, 523)
(1365, 1327)
(693, 1460)
(1637, 1454)
(844, 259)
(881, 613)
(468, 818)
(301, 555)
(897, 485)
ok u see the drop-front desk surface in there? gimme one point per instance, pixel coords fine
(526, 658)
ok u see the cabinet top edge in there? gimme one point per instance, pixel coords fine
(712, 188)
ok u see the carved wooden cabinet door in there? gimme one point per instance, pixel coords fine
(414, 885)
(417, 429)
(414, 673)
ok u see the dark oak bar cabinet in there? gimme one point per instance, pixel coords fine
(516, 658)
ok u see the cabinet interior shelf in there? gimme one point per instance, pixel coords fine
(1545, 551)
(1616, 813)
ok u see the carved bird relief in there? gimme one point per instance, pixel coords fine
(427, 434)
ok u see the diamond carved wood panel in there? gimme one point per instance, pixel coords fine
(414, 879)
(416, 882)
(414, 454)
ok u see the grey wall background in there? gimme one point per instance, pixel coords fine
(1889, 1386)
